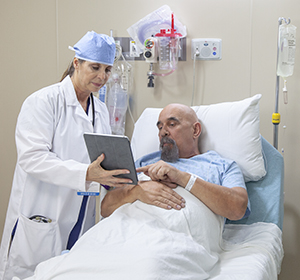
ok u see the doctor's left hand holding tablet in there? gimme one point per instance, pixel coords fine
(106, 177)
(53, 163)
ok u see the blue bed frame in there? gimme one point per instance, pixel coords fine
(267, 195)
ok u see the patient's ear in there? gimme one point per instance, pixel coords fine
(197, 129)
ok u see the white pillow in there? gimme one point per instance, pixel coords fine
(230, 128)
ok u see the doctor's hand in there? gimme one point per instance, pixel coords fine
(158, 194)
(165, 173)
(96, 173)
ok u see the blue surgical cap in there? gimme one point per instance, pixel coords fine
(94, 47)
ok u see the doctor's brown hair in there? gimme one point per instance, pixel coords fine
(70, 70)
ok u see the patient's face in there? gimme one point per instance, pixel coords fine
(176, 124)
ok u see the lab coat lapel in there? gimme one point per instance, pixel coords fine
(80, 114)
(101, 118)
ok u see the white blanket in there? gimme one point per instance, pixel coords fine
(140, 241)
(250, 252)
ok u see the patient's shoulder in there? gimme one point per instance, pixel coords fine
(148, 159)
(213, 155)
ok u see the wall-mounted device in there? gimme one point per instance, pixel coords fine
(150, 50)
(166, 46)
(207, 49)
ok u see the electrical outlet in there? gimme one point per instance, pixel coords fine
(208, 49)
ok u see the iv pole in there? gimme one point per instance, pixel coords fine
(276, 115)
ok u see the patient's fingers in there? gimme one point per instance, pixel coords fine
(154, 171)
(160, 171)
(169, 184)
(142, 169)
(158, 194)
(171, 199)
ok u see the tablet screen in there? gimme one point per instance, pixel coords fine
(117, 151)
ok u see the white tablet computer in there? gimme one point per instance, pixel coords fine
(117, 151)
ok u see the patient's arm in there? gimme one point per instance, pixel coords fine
(150, 192)
(230, 203)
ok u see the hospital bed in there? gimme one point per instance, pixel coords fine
(140, 241)
(232, 129)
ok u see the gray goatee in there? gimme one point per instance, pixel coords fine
(170, 151)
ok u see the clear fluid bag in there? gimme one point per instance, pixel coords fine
(116, 102)
(287, 50)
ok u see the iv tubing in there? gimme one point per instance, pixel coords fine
(163, 74)
(128, 103)
(193, 94)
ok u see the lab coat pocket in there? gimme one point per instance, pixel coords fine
(32, 243)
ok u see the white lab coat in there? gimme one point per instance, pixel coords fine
(51, 167)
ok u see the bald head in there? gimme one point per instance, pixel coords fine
(185, 111)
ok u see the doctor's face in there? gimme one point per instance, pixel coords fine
(90, 76)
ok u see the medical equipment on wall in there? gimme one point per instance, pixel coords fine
(165, 45)
(285, 65)
(150, 55)
(168, 47)
(204, 49)
(158, 37)
(115, 93)
(151, 24)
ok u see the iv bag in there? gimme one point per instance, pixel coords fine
(117, 107)
(287, 49)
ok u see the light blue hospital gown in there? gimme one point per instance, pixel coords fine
(210, 166)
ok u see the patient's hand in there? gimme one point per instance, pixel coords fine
(156, 193)
(165, 173)
(150, 192)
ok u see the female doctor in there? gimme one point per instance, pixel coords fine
(45, 214)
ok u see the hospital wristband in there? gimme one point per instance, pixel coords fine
(191, 182)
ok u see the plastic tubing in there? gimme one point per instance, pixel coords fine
(164, 74)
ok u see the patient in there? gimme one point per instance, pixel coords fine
(215, 181)
(169, 227)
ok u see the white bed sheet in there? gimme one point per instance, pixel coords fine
(250, 252)
(140, 241)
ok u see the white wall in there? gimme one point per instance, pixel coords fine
(35, 36)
